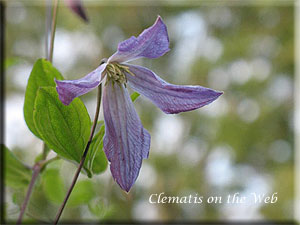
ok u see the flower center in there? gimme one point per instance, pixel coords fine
(116, 72)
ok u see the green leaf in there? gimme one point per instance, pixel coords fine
(82, 193)
(53, 185)
(42, 75)
(17, 175)
(98, 162)
(134, 96)
(65, 129)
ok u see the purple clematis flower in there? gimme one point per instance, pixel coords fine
(126, 143)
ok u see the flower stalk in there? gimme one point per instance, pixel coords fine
(99, 94)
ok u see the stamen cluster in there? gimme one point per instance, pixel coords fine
(116, 73)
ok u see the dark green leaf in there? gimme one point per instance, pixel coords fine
(65, 129)
(98, 162)
(134, 96)
(82, 193)
(16, 174)
(42, 75)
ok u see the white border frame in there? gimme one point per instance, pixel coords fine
(294, 3)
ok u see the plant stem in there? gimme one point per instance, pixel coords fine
(47, 26)
(53, 28)
(39, 165)
(45, 151)
(49, 55)
(36, 170)
(83, 156)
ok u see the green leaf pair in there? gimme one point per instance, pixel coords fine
(42, 75)
(65, 129)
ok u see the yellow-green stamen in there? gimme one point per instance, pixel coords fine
(116, 73)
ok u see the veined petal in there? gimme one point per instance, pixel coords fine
(70, 89)
(151, 43)
(77, 7)
(168, 97)
(126, 143)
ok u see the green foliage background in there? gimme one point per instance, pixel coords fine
(242, 143)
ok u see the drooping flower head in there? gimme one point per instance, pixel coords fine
(77, 7)
(126, 142)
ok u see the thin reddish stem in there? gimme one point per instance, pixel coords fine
(60, 211)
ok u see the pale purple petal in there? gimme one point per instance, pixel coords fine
(126, 143)
(70, 89)
(152, 43)
(168, 97)
(77, 7)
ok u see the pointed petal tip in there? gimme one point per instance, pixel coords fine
(70, 89)
(126, 143)
(158, 19)
(58, 82)
(161, 22)
(123, 185)
(62, 97)
(152, 43)
(214, 95)
(170, 98)
(219, 93)
(127, 189)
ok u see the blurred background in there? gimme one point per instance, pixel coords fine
(242, 142)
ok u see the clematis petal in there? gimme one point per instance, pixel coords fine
(151, 43)
(77, 7)
(126, 143)
(70, 89)
(168, 97)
